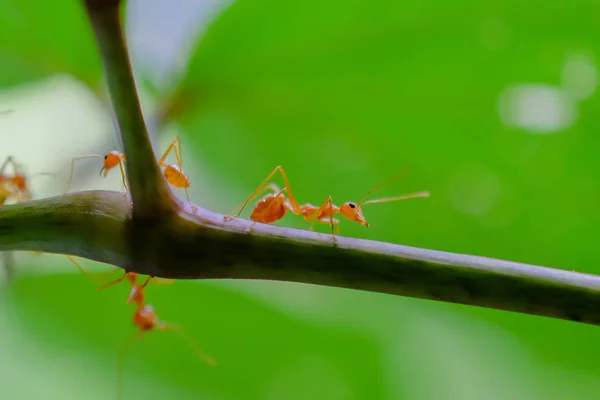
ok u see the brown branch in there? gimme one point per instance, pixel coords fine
(167, 238)
(198, 245)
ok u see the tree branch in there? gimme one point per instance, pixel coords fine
(166, 238)
(199, 245)
(149, 191)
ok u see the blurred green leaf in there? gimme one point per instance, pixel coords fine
(42, 38)
(261, 352)
(347, 94)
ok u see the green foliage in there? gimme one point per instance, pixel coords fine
(42, 38)
(345, 95)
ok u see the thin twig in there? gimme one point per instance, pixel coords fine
(150, 194)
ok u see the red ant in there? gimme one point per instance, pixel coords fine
(15, 185)
(146, 320)
(111, 160)
(273, 206)
(173, 172)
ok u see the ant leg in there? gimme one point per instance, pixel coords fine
(109, 273)
(8, 160)
(328, 205)
(83, 270)
(73, 166)
(270, 187)
(175, 145)
(191, 342)
(295, 206)
(331, 220)
(258, 190)
(336, 222)
(123, 177)
(161, 281)
(249, 229)
(126, 345)
(113, 282)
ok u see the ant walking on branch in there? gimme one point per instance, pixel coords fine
(273, 206)
(111, 160)
(173, 173)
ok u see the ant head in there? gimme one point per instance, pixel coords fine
(111, 160)
(20, 182)
(353, 212)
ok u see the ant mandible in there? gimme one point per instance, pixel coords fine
(274, 206)
(146, 320)
(173, 172)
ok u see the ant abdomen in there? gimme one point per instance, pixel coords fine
(176, 177)
(145, 318)
(269, 209)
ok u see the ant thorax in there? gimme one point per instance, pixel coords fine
(308, 209)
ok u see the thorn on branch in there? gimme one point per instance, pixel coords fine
(150, 194)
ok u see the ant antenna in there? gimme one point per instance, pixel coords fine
(395, 178)
(73, 165)
(404, 197)
(115, 281)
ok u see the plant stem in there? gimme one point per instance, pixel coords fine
(150, 194)
(200, 246)
(167, 238)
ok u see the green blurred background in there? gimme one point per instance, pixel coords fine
(492, 106)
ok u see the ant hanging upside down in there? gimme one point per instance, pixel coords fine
(273, 206)
(146, 320)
